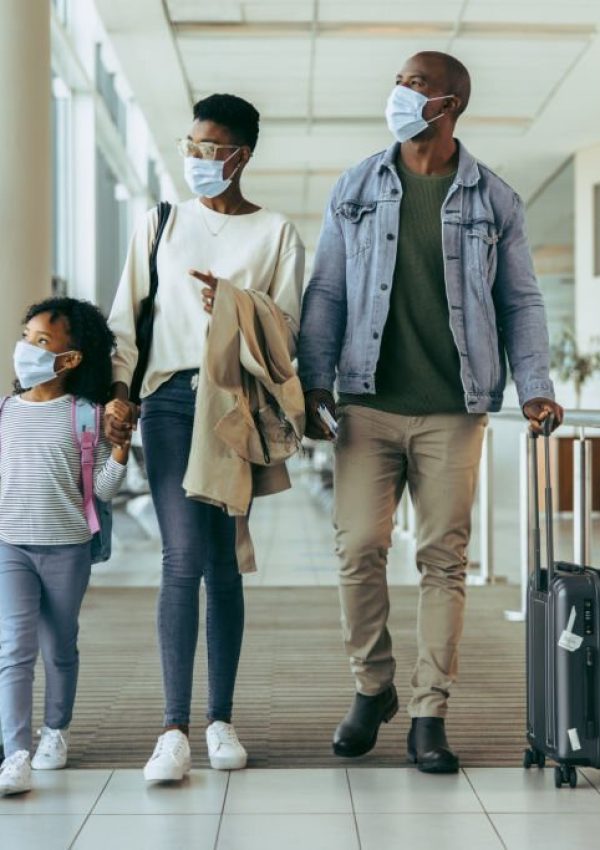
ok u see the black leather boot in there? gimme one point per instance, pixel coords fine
(428, 747)
(357, 733)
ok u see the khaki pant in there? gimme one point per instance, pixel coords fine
(377, 453)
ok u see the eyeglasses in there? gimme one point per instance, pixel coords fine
(201, 150)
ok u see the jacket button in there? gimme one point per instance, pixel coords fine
(384, 286)
(393, 191)
(390, 236)
(366, 385)
(375, 335)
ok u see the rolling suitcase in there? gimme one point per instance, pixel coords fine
(563, 646)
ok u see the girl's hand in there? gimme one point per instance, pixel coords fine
(119, 420)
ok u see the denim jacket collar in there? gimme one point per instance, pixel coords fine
(467, 173)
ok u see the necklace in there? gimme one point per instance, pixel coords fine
(228, 217)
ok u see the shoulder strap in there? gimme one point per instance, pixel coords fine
(85, 418)
(164, 210)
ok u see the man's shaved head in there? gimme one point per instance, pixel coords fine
(454, 73)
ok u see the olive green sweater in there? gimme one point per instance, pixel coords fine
(418, 371)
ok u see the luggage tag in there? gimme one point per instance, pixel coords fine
(568, 640)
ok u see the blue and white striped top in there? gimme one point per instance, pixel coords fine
(41, 503)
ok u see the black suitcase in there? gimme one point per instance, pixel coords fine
(563, 645)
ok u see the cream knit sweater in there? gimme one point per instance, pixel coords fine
(260, 251)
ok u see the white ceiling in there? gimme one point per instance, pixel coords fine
(319, 71)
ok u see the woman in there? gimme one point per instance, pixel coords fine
(218, 234)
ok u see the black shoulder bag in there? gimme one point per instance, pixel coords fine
(145, 320)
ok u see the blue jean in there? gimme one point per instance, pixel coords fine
(198, 543)
(41, 591)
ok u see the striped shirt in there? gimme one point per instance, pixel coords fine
(41, 502)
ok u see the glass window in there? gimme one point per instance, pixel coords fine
(111, 233)
(597, 230)
(60, 129)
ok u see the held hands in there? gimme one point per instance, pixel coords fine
(209, 291)
(315, 427)
(538, 409)
(120, 419)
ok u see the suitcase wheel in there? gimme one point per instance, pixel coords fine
(565, 774)
(532, 756)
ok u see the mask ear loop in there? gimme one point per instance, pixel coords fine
(441, 114)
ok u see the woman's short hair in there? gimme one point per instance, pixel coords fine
(235, 113)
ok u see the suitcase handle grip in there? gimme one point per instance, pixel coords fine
(590, 692)
(547, 428)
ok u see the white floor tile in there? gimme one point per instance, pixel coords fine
(203, 792)
(288, 792)
(407, 790)
(143, 832)
(515, 790)
(50, 832)
(292, 832)
(424, 832)
(58, 792)
(549, 831)
(593, 776)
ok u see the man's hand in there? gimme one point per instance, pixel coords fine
(539, 409)
(209, 291)
(315, 427)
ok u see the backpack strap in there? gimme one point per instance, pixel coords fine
(85, 418)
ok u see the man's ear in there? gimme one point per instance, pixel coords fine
(452, 104)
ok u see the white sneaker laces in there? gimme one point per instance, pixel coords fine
(226, 734)
(175, 750)
(51, 739)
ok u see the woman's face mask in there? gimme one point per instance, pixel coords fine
(404, 112)
(205, 176)
(35, 365)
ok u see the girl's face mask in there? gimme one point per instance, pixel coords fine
(35, 365)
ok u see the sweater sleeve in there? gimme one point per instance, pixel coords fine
(288, 280)
(133, 288)
(108, 474)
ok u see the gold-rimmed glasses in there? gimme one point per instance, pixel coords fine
(202, 150)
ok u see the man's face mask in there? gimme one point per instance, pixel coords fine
(404, 112)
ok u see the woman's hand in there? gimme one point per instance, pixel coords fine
(210, 289)
(120, 419)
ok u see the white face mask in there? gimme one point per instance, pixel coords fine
(404, 112)
(205, 176)
(35, 365)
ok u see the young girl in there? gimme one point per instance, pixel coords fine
(45, 539)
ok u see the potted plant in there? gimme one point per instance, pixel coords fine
(572, 365)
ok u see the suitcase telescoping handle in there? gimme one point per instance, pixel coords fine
(535, 531)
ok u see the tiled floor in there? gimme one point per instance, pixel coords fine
(341, 809)
(330, 809)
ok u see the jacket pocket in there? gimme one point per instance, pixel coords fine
(482, 249)
(357, 220)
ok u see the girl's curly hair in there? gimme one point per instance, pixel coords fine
(89, 334)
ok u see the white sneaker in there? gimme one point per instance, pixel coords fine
(51, 753)
(15, 774)
(224, 749)
(171, 759)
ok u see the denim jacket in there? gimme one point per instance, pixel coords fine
(495, 305)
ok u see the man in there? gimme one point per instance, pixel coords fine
(422, 282)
